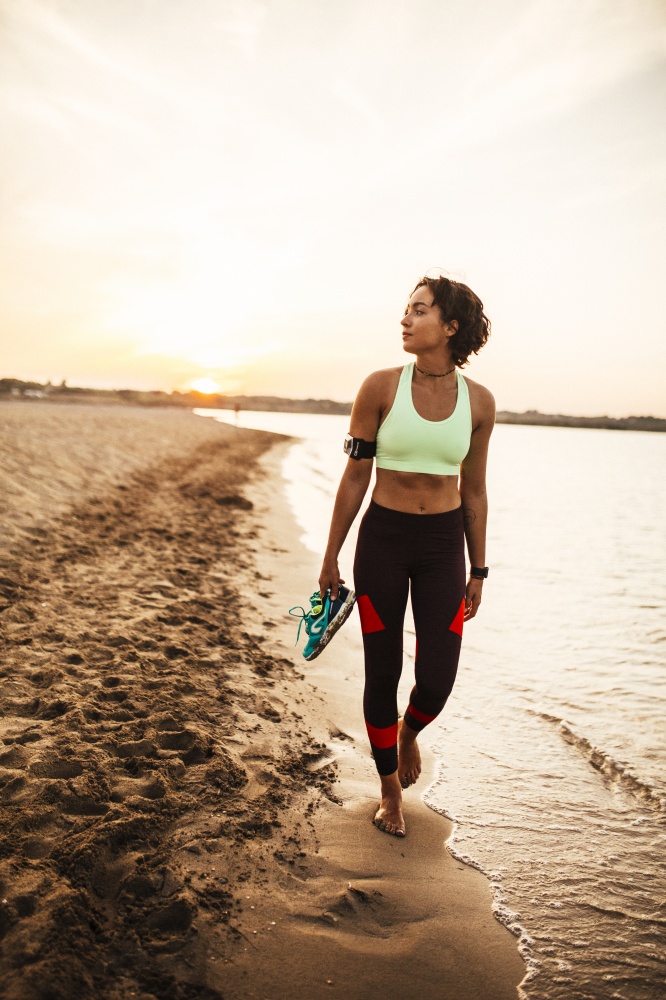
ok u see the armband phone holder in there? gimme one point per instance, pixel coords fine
(358, 448)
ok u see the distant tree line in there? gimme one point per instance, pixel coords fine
(599, 423)
(12, 388)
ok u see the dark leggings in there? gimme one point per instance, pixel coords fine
(393, 550)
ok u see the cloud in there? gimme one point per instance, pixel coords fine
(28, 17)
(550, 60)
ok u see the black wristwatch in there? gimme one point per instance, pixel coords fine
(478, 572)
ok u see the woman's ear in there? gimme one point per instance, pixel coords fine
(453, 327)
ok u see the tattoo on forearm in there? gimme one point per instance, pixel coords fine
(469, 517)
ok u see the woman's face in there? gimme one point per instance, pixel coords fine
(422, 326)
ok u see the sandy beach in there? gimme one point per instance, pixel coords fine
(185, 802)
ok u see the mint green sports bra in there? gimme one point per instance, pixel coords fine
(407, 442)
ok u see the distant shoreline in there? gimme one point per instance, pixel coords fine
(14, 390)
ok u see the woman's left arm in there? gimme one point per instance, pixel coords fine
(473, 490)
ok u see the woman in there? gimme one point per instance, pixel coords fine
(429, 427)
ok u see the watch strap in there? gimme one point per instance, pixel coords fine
(478, 572)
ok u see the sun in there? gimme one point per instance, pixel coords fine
(207, 386)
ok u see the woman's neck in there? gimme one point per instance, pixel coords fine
(434, 367)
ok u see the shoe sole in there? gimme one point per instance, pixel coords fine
(332, 627)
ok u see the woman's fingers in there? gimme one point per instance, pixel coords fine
(329, 581)
(472, 599)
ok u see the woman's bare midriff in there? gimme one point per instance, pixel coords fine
(416, 492)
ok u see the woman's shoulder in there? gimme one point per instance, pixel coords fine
(378, 391)
(481, 398)
(382, 379)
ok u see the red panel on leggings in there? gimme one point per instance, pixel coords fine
(457, 623)
(421, 716)
(370, 620)
(383, 738)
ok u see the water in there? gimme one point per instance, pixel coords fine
(552, 748)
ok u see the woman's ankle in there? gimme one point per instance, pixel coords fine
(391, 787)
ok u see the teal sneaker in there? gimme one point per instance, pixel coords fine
(322, 621)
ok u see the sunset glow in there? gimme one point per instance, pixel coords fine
(250, 190)
(206, 385)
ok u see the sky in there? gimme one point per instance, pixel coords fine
(248, 192)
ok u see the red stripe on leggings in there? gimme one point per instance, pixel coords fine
(457, 623)
(383, 738)
(421, 716)
(370, 620)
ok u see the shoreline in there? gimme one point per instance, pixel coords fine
(112, 398)
(423, 917)
(173, 819)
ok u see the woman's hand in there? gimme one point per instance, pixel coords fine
(473, 593)
(329, 579)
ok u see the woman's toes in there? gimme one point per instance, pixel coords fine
(407, 779)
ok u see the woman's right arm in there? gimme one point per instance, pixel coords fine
(365, 418)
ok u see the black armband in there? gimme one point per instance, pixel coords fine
(358, 448)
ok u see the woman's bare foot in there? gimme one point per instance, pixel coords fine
(389, 818)
(409, 755)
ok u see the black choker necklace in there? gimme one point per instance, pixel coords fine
(433, 374)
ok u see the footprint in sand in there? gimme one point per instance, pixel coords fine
(56, 768)
(116, 695)
(16, 758)
(176, 917)
(111, 681)
(73, 805)
(44, 678)
(52, 709)
(135, 748)
(72, 656)
(338, 734)
(183, 740)
(192, 747)
(140, 887)
(36, 848)
(126, 788)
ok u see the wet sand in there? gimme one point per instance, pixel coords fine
(185, 802)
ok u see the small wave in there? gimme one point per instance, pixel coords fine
(644, 918)
(612, 769)
(545, 715)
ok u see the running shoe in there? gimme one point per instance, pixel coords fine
(322, 621)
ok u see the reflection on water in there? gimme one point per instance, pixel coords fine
(552, 748)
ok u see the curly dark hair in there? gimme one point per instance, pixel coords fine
(457, 301)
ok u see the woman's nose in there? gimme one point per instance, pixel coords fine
(404, 321)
